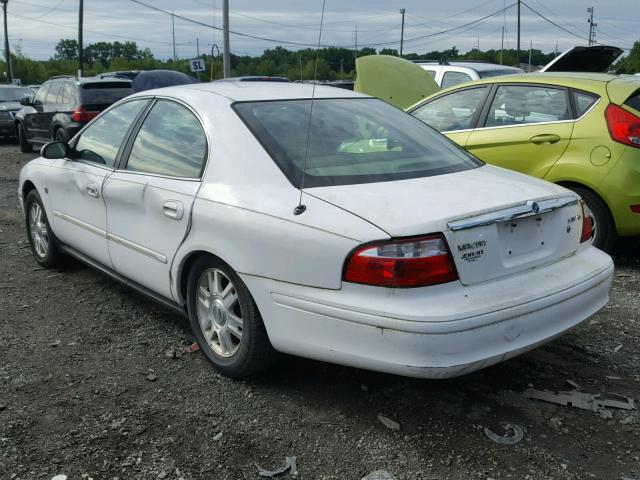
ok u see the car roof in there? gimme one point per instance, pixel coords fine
(256, 91)
(477, 66)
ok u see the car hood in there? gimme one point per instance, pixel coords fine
(597, 58)
(395, 80)
(10, 106)
(425, 205)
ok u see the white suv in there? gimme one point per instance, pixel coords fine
(451, 73)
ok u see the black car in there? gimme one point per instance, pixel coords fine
(63, 105)
(10, 96)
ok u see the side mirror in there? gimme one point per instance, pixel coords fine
(27, 100)
(54, 150)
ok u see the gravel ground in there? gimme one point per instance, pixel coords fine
(94, 384)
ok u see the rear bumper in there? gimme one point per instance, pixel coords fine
(434, 332)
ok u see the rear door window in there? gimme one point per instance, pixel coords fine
(454, 111)
(41, 94)
(526, 104)
(54, 91)
(170, 142)
(67, 97)
(453, 78)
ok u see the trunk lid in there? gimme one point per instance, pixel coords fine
(395, 80)
(597, 58)
(488, 216)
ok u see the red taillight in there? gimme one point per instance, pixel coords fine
(587, 225)
(635, 208)
(81, 114)
(624, 126)
(414, 262)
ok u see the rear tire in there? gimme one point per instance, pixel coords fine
(605, 234)
(25, 146)
(225, 320)
(41, 238)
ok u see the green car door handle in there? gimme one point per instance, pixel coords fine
(545, 138)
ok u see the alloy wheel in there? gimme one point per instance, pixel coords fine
(219, 312)
(38, 230)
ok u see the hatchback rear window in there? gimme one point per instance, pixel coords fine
(105, 92)
(350, 141)
(634, 101)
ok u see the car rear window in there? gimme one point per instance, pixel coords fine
(350, 141)
(104, 92)
(634, 101)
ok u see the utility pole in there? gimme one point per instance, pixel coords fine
(355, 51)
(502, 45)
(7, 54)
(173, 34)
(402, 32)
(80, 47)
(478, 49)
(518, 61)
(226, 59)
(198, 54)
(530, 48)
(592, 27)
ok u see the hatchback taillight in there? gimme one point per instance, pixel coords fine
(624, 126)
(414, 262)
(81, 114)
(587, 225)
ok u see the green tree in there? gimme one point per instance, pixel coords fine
(631, 62)
(66, 49)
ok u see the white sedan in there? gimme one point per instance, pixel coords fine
(368, 239)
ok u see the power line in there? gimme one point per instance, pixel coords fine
(554, 23)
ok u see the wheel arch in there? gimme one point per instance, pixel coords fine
(571, 184)
(27, 186)
(185, 267)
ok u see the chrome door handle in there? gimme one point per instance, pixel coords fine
(173, 209)
(545, 138)
(92, 189)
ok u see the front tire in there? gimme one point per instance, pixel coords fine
(25, 146)
(604, 235)
(41, 238)
(225, 320)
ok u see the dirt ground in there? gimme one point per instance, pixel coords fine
(94, 384)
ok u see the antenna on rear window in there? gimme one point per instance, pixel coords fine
(300, 208)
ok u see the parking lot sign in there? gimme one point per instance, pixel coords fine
(197, 65)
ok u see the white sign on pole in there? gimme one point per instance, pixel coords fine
(197, 65)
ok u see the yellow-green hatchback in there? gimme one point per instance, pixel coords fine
(579, 130)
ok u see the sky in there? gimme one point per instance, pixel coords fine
(35, 26)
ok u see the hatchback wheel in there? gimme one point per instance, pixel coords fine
(604, 229)
(225, 320)
(41, 238)
(25, 146)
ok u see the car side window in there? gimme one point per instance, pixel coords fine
(525, 104)
(41, 94)
(67, 96)
(454, 78)
(431, 72)
(170, 142)
(100, 141)
(454, 111)
(583, 101)
(54, 90)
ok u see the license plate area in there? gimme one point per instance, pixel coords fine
(523, 236)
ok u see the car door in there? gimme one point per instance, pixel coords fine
(525, 127)
(33, 120)
(75, 186)
(455, 113)
(149, 198)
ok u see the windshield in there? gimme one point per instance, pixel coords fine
(13, 94)
(352, 140)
